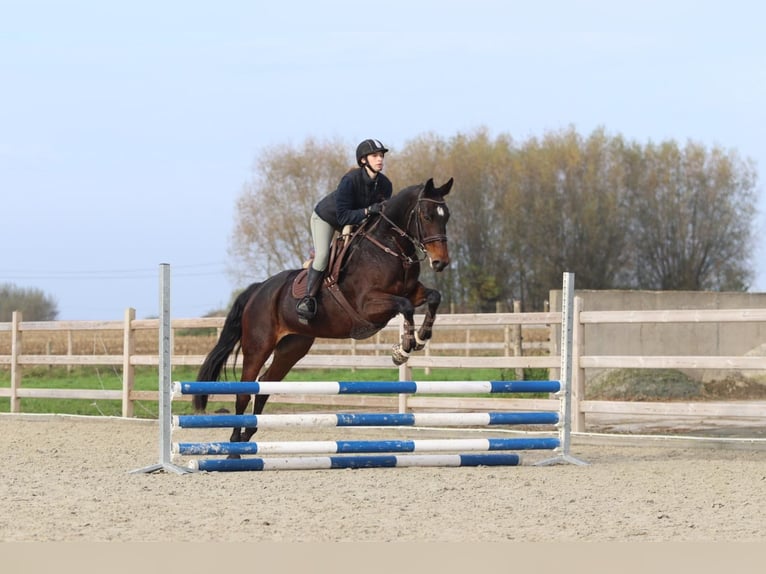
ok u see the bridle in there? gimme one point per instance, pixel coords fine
(419, 242)
(419, 222)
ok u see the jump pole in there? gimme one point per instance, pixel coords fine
(567, 331)
(166, 389)
(165, 414)
(372, 461)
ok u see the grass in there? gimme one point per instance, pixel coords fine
(146, 379)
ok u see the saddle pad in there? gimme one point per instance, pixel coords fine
(299, 284)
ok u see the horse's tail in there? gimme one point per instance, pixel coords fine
(215, 361)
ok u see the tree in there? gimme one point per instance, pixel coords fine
(570, 194)
(33, 304)
(271, 231)
(619, 214)
(480, 275)
(693, 214)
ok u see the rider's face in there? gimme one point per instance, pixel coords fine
(375, 160)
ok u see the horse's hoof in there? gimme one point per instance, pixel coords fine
(399, 355)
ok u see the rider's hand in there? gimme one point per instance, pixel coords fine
(375, 209)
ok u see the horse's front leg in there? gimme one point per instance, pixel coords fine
(401, 351)
(433, 299)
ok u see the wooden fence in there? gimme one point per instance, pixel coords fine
(371, 353)
(512, 353)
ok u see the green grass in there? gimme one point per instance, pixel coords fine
(146, 378)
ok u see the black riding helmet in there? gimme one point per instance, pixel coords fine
(367, 147)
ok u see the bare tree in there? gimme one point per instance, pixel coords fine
(693, 214)
(271, 231)
(33, 303)
(479, 275)
(618, 214)
(567, 205)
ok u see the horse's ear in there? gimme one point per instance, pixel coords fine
(446, 187)
(429, 187)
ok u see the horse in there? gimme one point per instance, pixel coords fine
(376, 279)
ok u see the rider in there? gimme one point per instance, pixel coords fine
(359, 194)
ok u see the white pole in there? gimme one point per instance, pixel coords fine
(165, 414)
(567, 330)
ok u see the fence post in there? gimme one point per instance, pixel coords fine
(15, 365)
(578, 373)
(518, 340)
(69, 348)
(49, 351)
(128, 369)
(467, 351)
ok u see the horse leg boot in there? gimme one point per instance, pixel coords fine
(307, 307)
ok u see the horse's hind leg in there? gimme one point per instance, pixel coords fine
(251, 366)
(288, 351)
(243, 435)
(259, 402)
(200, 403)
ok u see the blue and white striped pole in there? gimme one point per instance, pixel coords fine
(371, 461)
(365, 420)
(362, 387)
(366, 446)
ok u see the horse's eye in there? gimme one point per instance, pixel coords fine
(427, 217)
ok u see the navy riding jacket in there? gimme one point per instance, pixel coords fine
(355, 192)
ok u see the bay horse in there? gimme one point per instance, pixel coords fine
(377, 279)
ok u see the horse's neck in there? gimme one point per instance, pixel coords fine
(400, 222)
(377, 235)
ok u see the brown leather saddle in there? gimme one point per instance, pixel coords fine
(340, 251)
(338, 254)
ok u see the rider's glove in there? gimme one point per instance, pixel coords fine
(375, 209)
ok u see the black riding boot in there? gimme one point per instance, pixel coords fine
(307, 307)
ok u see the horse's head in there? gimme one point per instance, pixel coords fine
(431, 215)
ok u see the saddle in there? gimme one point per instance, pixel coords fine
(338, 254)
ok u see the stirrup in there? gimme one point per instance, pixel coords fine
(307, 308)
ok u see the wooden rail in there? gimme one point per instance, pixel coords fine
(372, 353)
(512, 353)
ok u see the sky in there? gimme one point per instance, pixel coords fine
(128, 129)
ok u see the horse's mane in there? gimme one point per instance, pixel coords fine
(407, 191)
